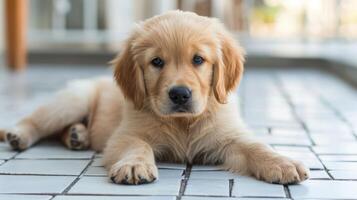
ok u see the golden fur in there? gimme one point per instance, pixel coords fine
(135, 122)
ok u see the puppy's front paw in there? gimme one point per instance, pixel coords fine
(282, 170)
(133, 173)
(17, 141)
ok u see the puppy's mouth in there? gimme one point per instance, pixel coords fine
(182, 109)
(178, 111)
(169, 109)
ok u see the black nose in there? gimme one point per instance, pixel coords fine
(180, 95)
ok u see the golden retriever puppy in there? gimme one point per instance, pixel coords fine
(176, 102)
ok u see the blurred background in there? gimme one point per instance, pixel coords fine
(90, 31)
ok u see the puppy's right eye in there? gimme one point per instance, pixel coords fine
(158, 62)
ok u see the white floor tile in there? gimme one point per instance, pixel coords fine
(102, 186)
(68, 197)
(24, 197)
(338, 157)
(6, 152)
(207, 187)
(346, 175)
(54, 150)
(34, 184)
(324, 189)
(223, 175)
(44, 167)
(171, 166)
(206, 168)
(332, 165)
(250, 187)
(96, 171)
(335, 149)
(319, 174)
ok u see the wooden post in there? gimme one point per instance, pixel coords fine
(15, 20)
(203, 7)
(179, 4)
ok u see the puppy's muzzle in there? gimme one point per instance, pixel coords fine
(181, 97)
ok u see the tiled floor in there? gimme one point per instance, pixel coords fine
(306, 114)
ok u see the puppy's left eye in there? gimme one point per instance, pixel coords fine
(197, 60)
(158, 62)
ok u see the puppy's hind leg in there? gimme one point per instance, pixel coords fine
(69, 106)
(76, 137)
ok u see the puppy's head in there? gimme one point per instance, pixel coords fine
(174, 63)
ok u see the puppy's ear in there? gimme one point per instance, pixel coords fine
(129, 75)
(229, 68)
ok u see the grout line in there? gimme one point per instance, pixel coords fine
(282, 90)
(11, 157)
(287, 192)
(184, 181)
(339, 114)
(325, 168)
(65, 191)
(231, 184)
(286, 96)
